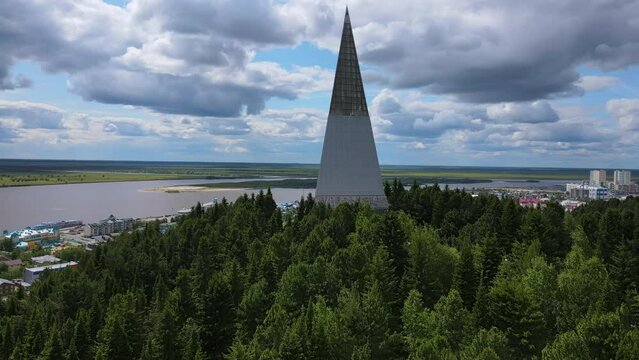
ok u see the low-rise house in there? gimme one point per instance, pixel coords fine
(532, 202)
(570, 205)
(165, 227)
(7, 287)
(12, 264)
(32, 274)
(585, 192)
(40, 260)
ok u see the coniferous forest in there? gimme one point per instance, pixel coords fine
(441, 275)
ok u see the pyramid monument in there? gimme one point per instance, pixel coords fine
(349, 169)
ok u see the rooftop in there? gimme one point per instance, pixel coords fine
(45, 259)
(30, 232)
(15, 262)
(52, 267)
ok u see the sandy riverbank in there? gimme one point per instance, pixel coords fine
(187, 188)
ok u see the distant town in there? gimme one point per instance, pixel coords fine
(20, 249)
(576, 194)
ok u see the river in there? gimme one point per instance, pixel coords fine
(29, 205)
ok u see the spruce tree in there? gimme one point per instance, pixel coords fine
(217, 316)
(513, 311)
(610, 233)
(491, 257)
(377, 318)
(567, 346)
(53, 348)
(392, 235)
(628, 348)
(510, 222)
(382, 272)
(624, 267)
(466, 279)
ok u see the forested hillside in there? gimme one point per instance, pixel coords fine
(442, 275)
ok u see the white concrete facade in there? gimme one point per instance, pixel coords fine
(597, 177)
(622, 177)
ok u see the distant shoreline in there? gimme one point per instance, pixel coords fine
(15, 173)
(190, 188)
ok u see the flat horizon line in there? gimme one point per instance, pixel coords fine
(314, 164)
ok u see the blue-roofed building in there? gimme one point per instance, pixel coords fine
(31, 238)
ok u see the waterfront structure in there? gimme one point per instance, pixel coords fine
(32, 274)
(61, 224)
(597, 177)
(288, 206)
(349, 168)
(31, 238)
(184, 211)
(622, 177)
(109, 226)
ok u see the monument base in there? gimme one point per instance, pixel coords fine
(377, 202)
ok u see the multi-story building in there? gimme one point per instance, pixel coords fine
(622, 177)
(109, 226)
(597, 193)
(597, 177)
(626, 189)
(583, 192)
(579, 193)
(577, 190)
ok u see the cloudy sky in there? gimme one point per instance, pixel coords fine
(469, 82)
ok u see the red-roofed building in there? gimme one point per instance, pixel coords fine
(532, 202)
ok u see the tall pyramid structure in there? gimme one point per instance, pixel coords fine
(349, 170)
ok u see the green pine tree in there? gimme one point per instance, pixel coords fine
(466, 279)
(53, 348)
